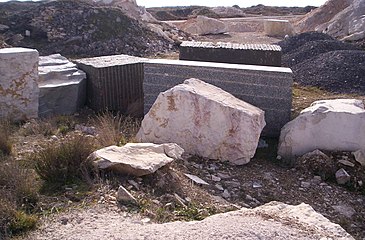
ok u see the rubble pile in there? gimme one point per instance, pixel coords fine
(77, 28)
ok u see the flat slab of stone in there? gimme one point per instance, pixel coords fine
(136, 159)
(205, 121)
(251, 54)
(115, 83)
(18, 83)
(268, 88)
(62, 86)
(332, 125)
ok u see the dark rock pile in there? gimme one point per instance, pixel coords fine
(321, 61)
(78, 29)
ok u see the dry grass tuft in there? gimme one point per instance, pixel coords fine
(65, 163)
(115, 129)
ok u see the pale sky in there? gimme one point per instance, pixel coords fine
(213, 3)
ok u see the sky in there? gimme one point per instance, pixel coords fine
(214, 3)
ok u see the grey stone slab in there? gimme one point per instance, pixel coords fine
(255, 54)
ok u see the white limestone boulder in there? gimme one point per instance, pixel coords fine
(203, 25)
(62, 86)
(332, 125)
(136, 159)
(278, 28)
(205, 121)
(18, 83)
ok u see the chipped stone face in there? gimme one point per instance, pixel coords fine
(62, 86)
(205, 121)
(332, 125)
(19, 90)
(136, 159)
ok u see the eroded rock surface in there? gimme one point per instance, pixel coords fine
(205, 121)
(18, 83)
(333, 125)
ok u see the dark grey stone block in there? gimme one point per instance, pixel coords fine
(252, 54)
(115, 83)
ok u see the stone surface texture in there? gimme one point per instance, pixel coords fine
(203, 25)
(136, 159)
(115, 83)
(333, 125)
(205, 121)
(339, 18)
(62, 86)
(273, 220)
(268, 88)
(278, 28)
(251, 54)
(19, 90)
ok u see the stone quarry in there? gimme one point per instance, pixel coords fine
(221, 105)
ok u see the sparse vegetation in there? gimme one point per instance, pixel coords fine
(18, 198)
(65, 163)
(115, 129)
(5, 142)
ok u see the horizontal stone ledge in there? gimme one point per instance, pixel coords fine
(272, 69)
(236, 46)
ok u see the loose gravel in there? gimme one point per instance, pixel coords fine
(319, 60)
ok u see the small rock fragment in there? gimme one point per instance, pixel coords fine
(342, 176)
(219, 187)
(305, 184)
(196, 179)
(123, 196)
(216, 179)
(346, 163)
(134, 184)
(360, 157)
(226, 194)
(344, 210)
(256, 184)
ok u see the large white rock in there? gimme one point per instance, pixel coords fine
(278, 28)
(205, 121)
(339, 18)
(203, 25)
(136, 159)
(18, 83)
(333, 125)
(62, 86)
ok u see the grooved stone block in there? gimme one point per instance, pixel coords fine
(18, 83)
(114, 83)
(268, 88)
(252, 54)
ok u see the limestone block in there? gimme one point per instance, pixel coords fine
(137, 159)
(62, 86)
(332, 125)
(205, 121)
(279, 28)
(18, 83)
(203, 25)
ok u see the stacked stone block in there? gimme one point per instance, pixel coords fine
(251, 54)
